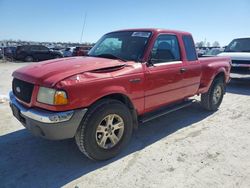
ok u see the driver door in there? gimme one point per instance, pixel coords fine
(164, 79)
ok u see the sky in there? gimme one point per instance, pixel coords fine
(62, 20)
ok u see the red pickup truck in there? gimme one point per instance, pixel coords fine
(128, 77)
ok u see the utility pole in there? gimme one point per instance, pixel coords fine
(83, 26)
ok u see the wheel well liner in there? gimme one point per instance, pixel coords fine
(220, 75)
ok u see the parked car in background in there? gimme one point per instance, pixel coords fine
(81, 50)
(67, 52)
(201, 51)
(239, 51)
(9, 52)
(1, 53)
(57, 49)
(213, 52)
(31, 53)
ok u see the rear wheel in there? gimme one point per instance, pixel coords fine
(213, 98)
(29, 59)
(105, 130)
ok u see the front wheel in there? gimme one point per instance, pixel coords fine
(213, 98)
(105, 130)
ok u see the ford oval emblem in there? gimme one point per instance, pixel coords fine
(18, 89)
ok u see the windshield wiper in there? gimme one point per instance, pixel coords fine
(110, 56)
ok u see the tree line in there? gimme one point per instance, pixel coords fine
(207, 44)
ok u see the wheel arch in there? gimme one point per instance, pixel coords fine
(126, 101)
(218, 74)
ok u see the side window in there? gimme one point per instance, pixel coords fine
(189, 48)
(166, 49)
(34, 48)
(23, 48)
(43, 49)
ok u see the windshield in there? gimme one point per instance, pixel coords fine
(124, 45)
(239, 45)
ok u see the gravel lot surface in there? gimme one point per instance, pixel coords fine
(187, 148)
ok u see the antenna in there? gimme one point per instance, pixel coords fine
(83, 26)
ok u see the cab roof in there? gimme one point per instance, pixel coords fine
(156, 31)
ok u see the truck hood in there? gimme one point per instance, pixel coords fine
(48, 73)
(236, 55)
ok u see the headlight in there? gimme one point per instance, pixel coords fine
(52, 96)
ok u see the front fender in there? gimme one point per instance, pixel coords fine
(106, 91)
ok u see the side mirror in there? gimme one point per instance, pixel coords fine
(150, 62)
(200, 55)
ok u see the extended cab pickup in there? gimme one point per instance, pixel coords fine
(129, 76)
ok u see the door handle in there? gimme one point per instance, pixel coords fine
(135, 80)
(182, 70)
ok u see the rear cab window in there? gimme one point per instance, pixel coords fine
(189, 48)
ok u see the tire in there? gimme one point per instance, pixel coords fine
(28, 59)
(213, 98)
(91, 142)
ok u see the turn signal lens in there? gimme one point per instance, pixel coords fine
(60, 98)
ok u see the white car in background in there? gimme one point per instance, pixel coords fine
(239, 51)
(67, 52)
(213, 52)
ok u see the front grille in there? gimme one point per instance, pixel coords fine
(245, 62)
(22, 90)
(240, 70)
